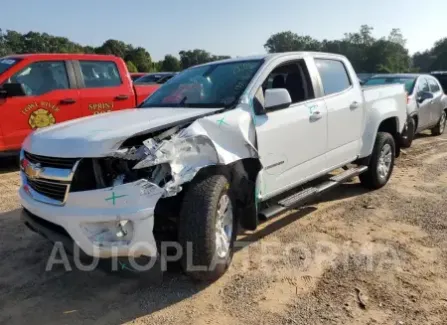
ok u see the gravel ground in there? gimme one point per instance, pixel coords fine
(355, 257)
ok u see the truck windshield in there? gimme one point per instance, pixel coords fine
(407, 81)
(208, 86)
(7, 63)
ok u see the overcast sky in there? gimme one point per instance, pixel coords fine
(228, 27)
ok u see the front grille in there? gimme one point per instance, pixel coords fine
(51, 189)
(66, 163)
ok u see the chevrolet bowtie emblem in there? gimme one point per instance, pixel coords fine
(32, 170)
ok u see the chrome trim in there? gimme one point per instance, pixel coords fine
(40, 197)
(56, 174)
(49, 175)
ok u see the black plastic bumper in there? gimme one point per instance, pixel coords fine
(52, 232)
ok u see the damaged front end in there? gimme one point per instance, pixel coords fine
(166, 160)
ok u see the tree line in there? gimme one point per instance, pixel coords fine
(367, 53)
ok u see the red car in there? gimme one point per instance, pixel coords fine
(38, 90)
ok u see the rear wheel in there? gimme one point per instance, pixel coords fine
(207, 228)
(381, 163)
(440, 127)
(408, 136)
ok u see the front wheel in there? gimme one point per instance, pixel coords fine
(381, 163)
(440, 127)
(207, 228)
(408, 136)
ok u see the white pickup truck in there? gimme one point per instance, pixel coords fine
(219, 145)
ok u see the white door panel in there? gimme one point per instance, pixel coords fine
(345, 116)
(292, 143)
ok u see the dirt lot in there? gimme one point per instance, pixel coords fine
(357, 257)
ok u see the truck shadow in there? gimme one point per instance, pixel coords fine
(30, 292)
(8, 164)
(344, 191)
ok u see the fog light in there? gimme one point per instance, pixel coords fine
(109, 233)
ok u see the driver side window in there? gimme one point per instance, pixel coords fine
(294, 77)
(42, 77)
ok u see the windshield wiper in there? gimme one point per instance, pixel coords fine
(182, 102)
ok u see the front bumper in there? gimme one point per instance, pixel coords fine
(134, 202)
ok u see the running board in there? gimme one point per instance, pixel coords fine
(303, 196)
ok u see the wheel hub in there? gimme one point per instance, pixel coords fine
(385, 159)
(442, 122)
(224, 226)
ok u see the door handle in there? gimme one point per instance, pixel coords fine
(354, 105)
(121, 97)
(316, 115)
(68, 101)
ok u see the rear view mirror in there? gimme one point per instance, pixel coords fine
(12, 90)
(424, 95)
(277, 98)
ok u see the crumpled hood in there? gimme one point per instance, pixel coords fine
(98, 135)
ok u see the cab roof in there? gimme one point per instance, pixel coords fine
(273, 56)
(62, 56)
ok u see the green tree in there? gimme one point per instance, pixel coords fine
(4, 48)
(220, 57)
(114, 47)
(170, 63)
(432, 59)
(194, 57)
(140, 57)
(14, 41)
(387, 57)
(397, 37)
(88, 49)
(288, 41)
(439, 52)
(131, 67)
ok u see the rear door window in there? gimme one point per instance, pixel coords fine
(100, 74)
(334, 75)
(423, 86)
(42, 77)
(434, 87)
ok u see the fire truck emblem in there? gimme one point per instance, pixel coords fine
(41, 118)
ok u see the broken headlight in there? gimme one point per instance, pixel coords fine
(117, 171)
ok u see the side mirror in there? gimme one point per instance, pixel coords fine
(423, 96)
(12, 90)
(277, 98)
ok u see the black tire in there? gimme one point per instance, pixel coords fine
(197, 226)
(440, 127)
(371, 178)
(407, 138)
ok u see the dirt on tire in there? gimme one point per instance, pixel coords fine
(354, 257)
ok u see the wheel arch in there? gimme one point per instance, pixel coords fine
(415, 117)
(391, 125)
(242, 175)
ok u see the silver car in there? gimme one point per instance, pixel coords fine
(426, 104)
